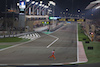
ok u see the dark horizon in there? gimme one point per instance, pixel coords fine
(61, 6)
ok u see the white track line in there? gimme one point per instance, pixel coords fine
(77, 46)
(53, 41)
(38, 35)
(3, 64)
(31, 64)
(14, 46)
(54, 37)
(57, 64)
(17, 45)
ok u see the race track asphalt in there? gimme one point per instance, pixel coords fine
(36, 52)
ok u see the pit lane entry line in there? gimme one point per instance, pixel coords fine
(53, 41)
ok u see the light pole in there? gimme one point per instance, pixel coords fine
(29, 5)
(25, 4)
(45, 7)
(42, 6)
(36, 7)
(66, 11)
(17, 7)
(33, 6)
(79, 13)
(52, 3)
(40, 9)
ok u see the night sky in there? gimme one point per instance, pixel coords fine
(61, 5)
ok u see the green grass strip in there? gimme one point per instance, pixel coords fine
(4, 46)
(81, 34)
(92, 55)
(13, 39)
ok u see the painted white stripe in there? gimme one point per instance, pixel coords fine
(77, 46)
(52, 43)
(13, 46)
(17, 45)
(53, 36)
(28, 35)
(31, 64)
(77, 62)
(31, 36)
(3, 64)
(57, 64)
(38, 35)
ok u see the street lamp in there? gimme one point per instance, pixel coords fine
(42, 9)
(27, 0)
(63, 12)
(48, 4)
(42, 5)
(41, 2)
(17, 4)
(17, 7)
(79, 11)
(51, 2)
(66, 9)
(46, 8)
(36, 3)
(36, 7)
(33, 2)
